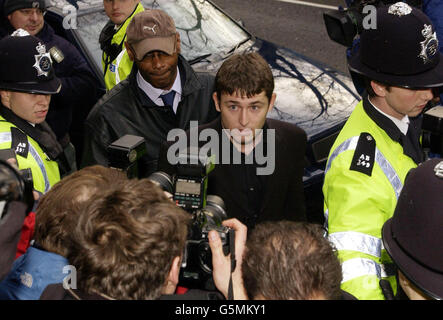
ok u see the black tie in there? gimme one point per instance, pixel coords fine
(168, 99)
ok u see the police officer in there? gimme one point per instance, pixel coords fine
(367, 165)
(413, 236)
(27, 82)
(116, 63)
(71, 106)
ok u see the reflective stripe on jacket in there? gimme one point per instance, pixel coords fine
(45, 172)
(117, 72)
(358, 204)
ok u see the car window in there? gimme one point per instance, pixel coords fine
(203, 29)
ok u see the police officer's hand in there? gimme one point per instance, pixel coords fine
(221, 264)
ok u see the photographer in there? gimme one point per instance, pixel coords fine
(413, 236)
(380, 142)
(128, 245)
(280, 260)
(44, 261)
(27, 82)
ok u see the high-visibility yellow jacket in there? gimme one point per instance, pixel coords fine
(45, 172)
(364, 175)
(118, 69)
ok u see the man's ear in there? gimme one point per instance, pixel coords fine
(217, 104)
(379, 89)
(172, 279)
(131, 54)
(272, 101)
(5, 98)
(177, 45)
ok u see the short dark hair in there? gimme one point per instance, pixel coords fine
(59, 208)
(287, 260)
(369, 89)
(126, 241)
(246, 73)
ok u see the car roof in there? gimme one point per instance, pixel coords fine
(83, 6)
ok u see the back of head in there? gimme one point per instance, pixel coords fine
(60, 207)
(10, 6)
(288, 260)
(126, 240)
(247, 74)
(413, 237)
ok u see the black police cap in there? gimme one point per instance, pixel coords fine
(401, 51)
(25, 66)
(413, 237)
(12, 5)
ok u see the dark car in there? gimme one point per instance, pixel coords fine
(313, 96)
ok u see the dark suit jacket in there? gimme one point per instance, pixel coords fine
(283, 197)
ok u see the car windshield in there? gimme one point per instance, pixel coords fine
(204, 30)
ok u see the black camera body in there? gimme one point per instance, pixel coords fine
(189, 189)
(15, 185)
(196, 269)
(191, 179)
(124, 153)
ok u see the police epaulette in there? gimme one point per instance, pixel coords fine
(19, 142)
(364, 155)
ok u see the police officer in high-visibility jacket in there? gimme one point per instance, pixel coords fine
(380, 142)
(27, 82)
(116, 63)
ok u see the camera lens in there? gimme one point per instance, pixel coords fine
(163, 180)
(215, 210)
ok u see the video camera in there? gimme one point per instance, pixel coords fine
(15, 185)
(343, 25)
(188, 187)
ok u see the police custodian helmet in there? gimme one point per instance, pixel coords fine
(401, 51)
(26, 66)
(413, 237)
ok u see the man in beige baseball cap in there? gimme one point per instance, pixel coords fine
(162, 93)
(154, 43)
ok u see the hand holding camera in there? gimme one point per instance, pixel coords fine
(224, 267)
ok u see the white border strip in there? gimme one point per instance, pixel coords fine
(310, 4)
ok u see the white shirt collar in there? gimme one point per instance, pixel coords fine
(402, 124)
(155, 93)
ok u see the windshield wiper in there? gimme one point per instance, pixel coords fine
(200, 58)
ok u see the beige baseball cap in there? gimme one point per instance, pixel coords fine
(152, 30)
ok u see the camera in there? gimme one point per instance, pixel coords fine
(124, 153)
(188, 186)
(15, 185)
(432, 129)
(342, 26)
